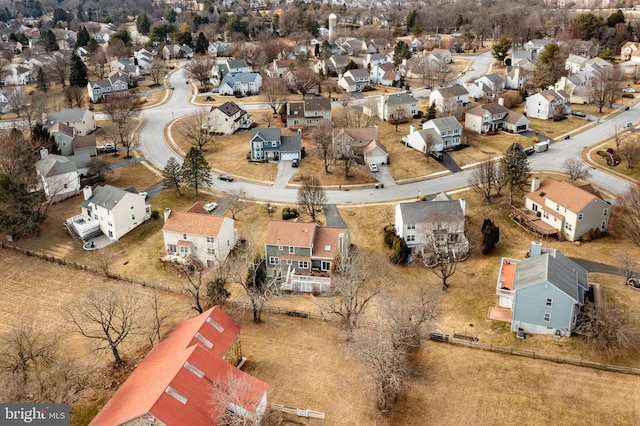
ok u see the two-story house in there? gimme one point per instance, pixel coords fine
(301, 254)
(437, 222)
(548, 104)
(228, 66)
(449, 129)
(515, 78)
(488, 86)
(630, 51)
(83, 121)
(278, 67)
(384, 74)
(361, 143)
(175, 51)
(493, 117)
(544, 292)
(227, 118)
(391, 107)
(270, 144)
(570, 211)
(354, 80)
(110, 211)
(175, 383)
(59, 176)
(442, 56)
(448, 99)
(535, 46)
(243, 83)
(115, 85)
(70, 143)
(199, 234)
(309, 112)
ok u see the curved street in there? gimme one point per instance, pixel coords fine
(156, 150)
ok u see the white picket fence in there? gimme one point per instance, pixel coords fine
(299, 412)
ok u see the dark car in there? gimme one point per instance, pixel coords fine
(626, 108)
(529, 151)
(227, 178)
(437, 155)
(578, 114)
(295, 162)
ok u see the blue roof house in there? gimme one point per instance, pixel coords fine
(270, 144)
(246, 83)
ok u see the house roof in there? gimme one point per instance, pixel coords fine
(445, 123)
(237, 63)
(572, 197)
(55, 165)
(290, 143)
(387, 66)
(67, 115)
(327, 241)
(84, 141)
(373, 145)
(416, 212)
(185, 363)
(492, 108)
(390, 76)
(108, 196)
(554, 267)
(242, 77)
(195, 223)
(317, 103)
(61, 128)
(361, 135)
(285, 233)
(268, 134)
(455, 90)
(230, 109)
(357, 73)
(399, 98)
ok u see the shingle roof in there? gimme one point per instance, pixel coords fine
(446, 123)
(295, 234)
(55, 165)
(242, 77)
(416, 212)
(400, 98)
(572, 197)
(268, 134)
(67, 115)
(107, 196)
(326, 242)
(194, 223)
(230, 109)
(456, 90)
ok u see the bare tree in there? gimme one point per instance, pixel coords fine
(618, 134)
(122, 110)
(343, 149)
(161, 312)
(192, 130)
(191, 268)
(305, 80)
(605, 86)
(108, 316)
(609, 329)
(351, 118)
(311, 197)
(483, 178)
(157, 71)
(99, 168)
(576, 169)
(17, 101)
(75, 95)
(275, 92)
(323, 136)
(200, 69)
(230, 396)
(32, 112)
(624, 220)
(407, 316)
(98, 63)
(59, 66)
(237, 202)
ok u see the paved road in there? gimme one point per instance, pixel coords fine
(153, 144)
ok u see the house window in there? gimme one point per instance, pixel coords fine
(133, 217)
(604, 212)
(280, 247)
(411, 238)
(274, 260)
(289, 261)
(302, 264)
(172, 248)
(411, 226)
(292, 250)
(184, 250)
(211, 251)
(549, 302)
(547, 317)
(580, 216)
(184, 236)
(325, 265)
(568, 226)
(545, 215)
(210, 239)
(557, 207)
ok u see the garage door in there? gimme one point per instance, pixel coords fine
(377, 159)
(288, 155)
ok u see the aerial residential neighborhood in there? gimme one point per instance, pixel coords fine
(320, 212)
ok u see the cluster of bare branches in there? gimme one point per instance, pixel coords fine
(311, 197)
(488, 178)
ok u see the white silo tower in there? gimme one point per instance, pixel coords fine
(333, 24)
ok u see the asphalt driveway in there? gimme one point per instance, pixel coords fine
(333, 217)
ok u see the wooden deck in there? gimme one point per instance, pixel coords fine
(529, 220)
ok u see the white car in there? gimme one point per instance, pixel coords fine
(373, 167)
(210, 207)
(144, 194)
(629, 90)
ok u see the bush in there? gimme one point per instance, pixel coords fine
(389, 235)
(399, 252)
(490, 236)
(155, 214)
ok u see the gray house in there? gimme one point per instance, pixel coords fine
(270, 144)
(544, 291)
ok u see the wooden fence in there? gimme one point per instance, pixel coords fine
(299, 412)
(245, 306)
(535, 355)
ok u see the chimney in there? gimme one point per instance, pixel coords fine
(300, 132)
(535, 184)
(167, 213)
(341, 243)
(44, 153)
(536, 249)
(463, 205)
(87, 192)
(501, 101)
(411, 129)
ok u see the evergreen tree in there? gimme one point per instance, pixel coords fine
(42, 80)
(83, 37)
(325, 50)
(549, 67)
(310, 25)
(196, 171)
(401, 51)
(202, 44)
(49, 41)
(78, 73)
(92, 46)
(172, 175)
(124, 36)
(432, 112)
(490, 236)
(171, 15)
(5, 15)
(412, 18)
(350, 66)
(43, 139)
(400, 251)
(515, 167)
(501, 49)
(143, 24)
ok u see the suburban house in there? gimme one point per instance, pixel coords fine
(515, 78)
(279, 67)
(309, 112)
(535, 46)
(243, 83)
(270, 144)
(110, 211)
(145, 58)
(438, 221)
(218, 49)
(544, 291)
(391, 107)
(361, 142)
(448, 99)
(630, 51)
(60, 175)
(227, 118)
(302, 79)
(199, 234)
(335, 64)
(437, 135)
(70, 143)
(174, 384)
(83, 121)
(127, 65)
(174, 51)
(301, 254)
(116, 84)
(488, 86)
(494, 117)
(548, 104)
(385, 73)
(228, 66)
(375, 59)
(354, 80)
(577, 86)
(575, 63)
(562, 209)
(442, 56)
(18, 75)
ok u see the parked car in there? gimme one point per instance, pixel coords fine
(491, 132)
(227, 178)
(529, 151)
(437, 155)
(210, 207)
(626, 108)
(629, 90)
(373, 167)
(295, 163)
(107, 147)
(578, 113)
(144, 194)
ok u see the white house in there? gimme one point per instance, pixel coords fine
(83, 121)
(548, 104)
(354, 80)
(244, 83)
(227, 118)
(110, 211)
(442, 56)
(145, 58)
(60, 175)
(197, 233)
(448, 99)
(438, 221)
(228, 66)
(494, 117)
(630, 51)
(279, 67)
(396, 106)
(515, 78)
(385, 73)
(488, 86)
(439, 134)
